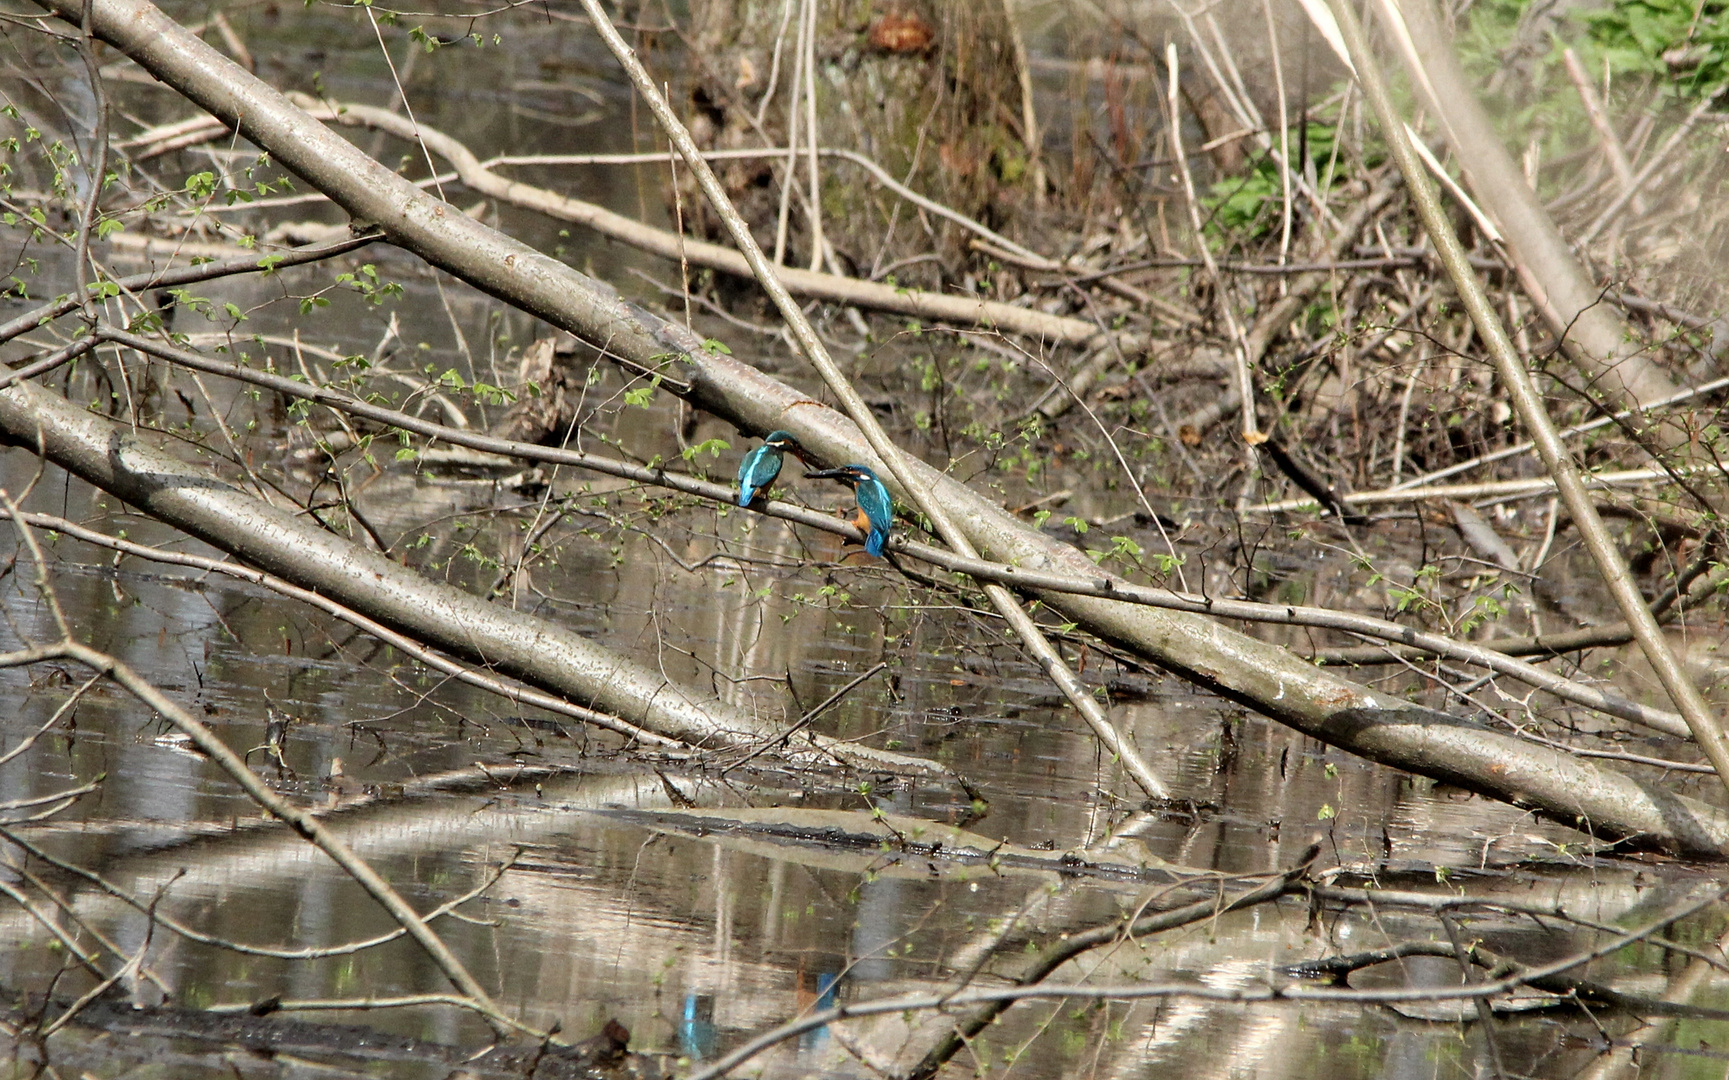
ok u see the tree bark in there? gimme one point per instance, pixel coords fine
(1262, 676)
(540, 653)
(1257, 674)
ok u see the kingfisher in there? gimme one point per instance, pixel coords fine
(876, 509)
(759, 467)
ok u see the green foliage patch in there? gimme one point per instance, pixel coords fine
(1683, 40)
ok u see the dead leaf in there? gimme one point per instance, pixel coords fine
(902, 32)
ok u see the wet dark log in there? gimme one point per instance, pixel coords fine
(1053, 955)
(1306, 478)
(152, 1037)
(1254, 673)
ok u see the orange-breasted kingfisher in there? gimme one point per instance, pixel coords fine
(759, 467)
(876, 509)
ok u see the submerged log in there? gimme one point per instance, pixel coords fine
(1257, 674)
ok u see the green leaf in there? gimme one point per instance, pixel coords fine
(642, 395)
(712, 447)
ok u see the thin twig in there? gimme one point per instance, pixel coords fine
(890, 455)
(998, 573)
(1529, 405)
(1221, 292)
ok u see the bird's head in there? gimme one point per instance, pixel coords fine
(781, 440)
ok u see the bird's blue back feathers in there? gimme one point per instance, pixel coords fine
(874, 500)
(757, 471)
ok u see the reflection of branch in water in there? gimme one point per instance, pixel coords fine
(989, 1004)
(309, 953)
(1623, 1060)
(998, 1000)
(1070, 946)
(1334, 970)
(206, 741)
(127, 970)
(515, 694)
(1439, 902)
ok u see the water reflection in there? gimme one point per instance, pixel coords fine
(696, 1030)
(692, 943)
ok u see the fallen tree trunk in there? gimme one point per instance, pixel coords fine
(690, 250)
(1018, 577)
(1259, 675)
(1265, 677)
(534, 650)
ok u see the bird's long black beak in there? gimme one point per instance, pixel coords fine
(828, 474)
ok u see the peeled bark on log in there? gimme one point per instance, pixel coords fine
(1257, 674)
(1598, 341)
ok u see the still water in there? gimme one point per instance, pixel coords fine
(613, 906)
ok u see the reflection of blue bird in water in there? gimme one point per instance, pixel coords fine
(696, 1032)
(876, 509)
(826, 985)
(759, 467)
